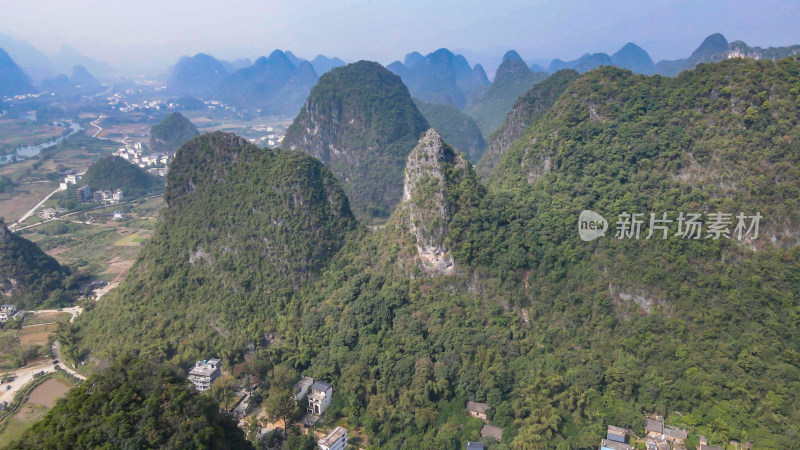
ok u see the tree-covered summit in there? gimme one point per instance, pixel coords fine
(361, 122)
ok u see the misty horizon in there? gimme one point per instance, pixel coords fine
(148, 37)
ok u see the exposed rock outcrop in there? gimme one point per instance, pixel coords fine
(433, 170)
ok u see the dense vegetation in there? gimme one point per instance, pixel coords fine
(528, 107)
(134, 404)
(278, 217)
(361, 122)
(112, 173)
(171, 133)
(560, 337)
(513, 78)
(456, 128)
(29, 277)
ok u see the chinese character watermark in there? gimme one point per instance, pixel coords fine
(717, 225)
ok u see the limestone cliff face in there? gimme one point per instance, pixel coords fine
(433, 175)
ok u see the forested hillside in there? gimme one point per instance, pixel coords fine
(457, 128)
(489, 294)
(134, 404)
(277, 217)
(29, 277)
(492, 103)
(361, 122)
(113, 172)
(171, 133)
(529, 106)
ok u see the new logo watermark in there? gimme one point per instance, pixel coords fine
(592, 225)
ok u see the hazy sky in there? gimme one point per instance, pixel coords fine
(154, 33)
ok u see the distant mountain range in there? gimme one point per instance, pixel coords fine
(440, 77)
(13, 81)
(714, 48)
(39, 66)
(276, 85)
(273, 84)
(198, 75)
(489, 105)
(81, 82)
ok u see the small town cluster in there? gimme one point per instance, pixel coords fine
(657, 436)
(137, 155)
(84, 194)
(319, 395)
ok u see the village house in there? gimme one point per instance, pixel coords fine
(492, 431)
(335, 440)
(657, 444)
(617, 434)
(654, 427)
(675, 434)
(203, 374)
(704, 445)
(475, 446)
(119, 215)
(7, 312)
(83, 193)
(107, 196)
(320, 398)
(50, 213)
(478, 409)
(606, 444)
(301, 388)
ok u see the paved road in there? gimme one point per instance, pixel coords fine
(96, 124)
(57, 355)
(74, 310)
(33, 210)
(24, 376)
(78, 212)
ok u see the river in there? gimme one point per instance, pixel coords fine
(30, 151)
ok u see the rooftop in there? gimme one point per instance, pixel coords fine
(321, 386)
(492, 431)
(617, 430)
(614, 445)
(654, 425)
(675, 432)
(332, 437)
(205, 368)
(303, 383)
(474, 445)
(478, 407)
